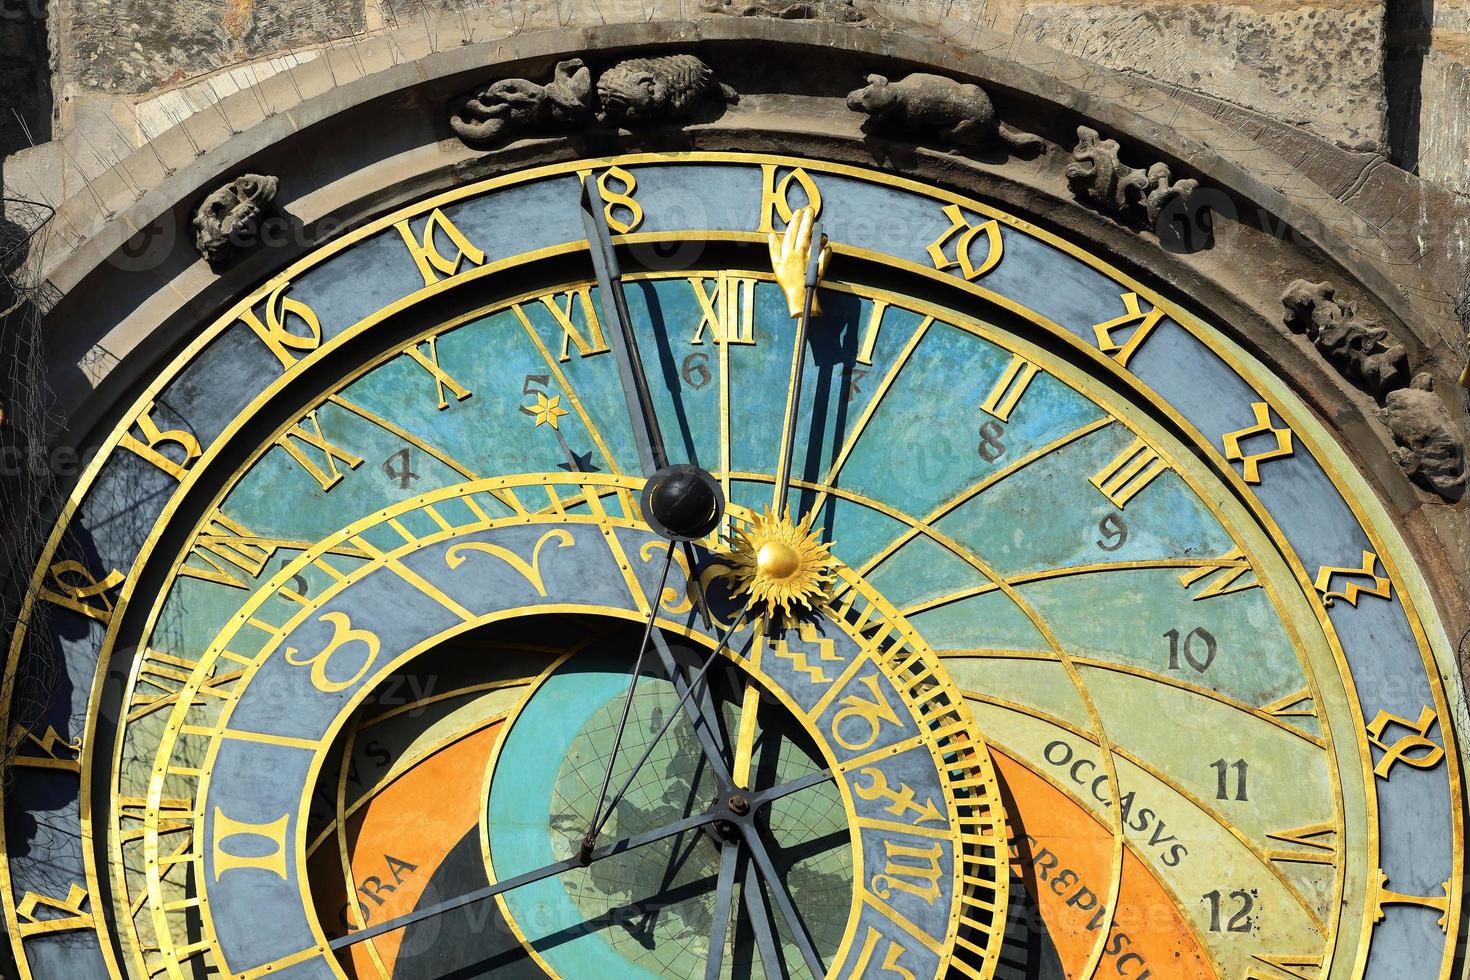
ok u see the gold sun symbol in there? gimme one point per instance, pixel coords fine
(782, 564)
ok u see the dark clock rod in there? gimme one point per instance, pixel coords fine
(691, 822)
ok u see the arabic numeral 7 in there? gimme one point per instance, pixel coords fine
(1240, 919)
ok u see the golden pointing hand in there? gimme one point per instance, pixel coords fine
(790, 255)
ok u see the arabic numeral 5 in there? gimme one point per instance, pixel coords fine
(1198, 649)
(1241, 904)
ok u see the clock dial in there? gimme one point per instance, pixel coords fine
(1062, 652)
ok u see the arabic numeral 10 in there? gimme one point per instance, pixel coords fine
(1198, 649)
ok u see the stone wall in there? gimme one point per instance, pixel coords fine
(1377, 76)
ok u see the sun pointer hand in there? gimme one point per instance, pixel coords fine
(797, 265)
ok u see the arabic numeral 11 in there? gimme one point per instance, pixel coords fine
(1222, 779)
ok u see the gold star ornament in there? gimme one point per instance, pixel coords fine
(782, 564)
(546, 411)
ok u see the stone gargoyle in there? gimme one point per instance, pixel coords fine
(1363, 352)
(1427, 444)
(492, 114)
(230, 215)
(631, 92)
(958, 113)
(1098, 172)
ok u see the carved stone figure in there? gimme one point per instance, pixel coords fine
(492, 114)
(1428, 445)
(840, 11)
(954, 112)
(1363, 352)
(230, 214)
(672, 87)
(1099, 173)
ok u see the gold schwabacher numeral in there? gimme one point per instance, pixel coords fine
(1382, 586)
(727, 307)
(317, 455)
(1129, 472)
(432, 262)
(49, 750)
(154, 437)
(1109, 333)
(962, 233)
(1250, 463)
(777, 201)
(70, 584)
(1379, 896)
(290, 329)
(616, 203)
(1415, 749)
(65, 914)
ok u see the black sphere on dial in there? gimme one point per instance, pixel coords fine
(683, 502)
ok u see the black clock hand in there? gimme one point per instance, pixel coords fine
(646, 435)
(686, 691)
(690, 822)
(720, 923)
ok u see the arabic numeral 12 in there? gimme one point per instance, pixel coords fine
(1240, 918)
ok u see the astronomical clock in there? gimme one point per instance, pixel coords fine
(731, 565)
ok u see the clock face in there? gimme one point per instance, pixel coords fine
(1060, 642)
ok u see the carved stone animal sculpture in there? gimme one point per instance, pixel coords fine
(1428, 447)
(229, 213)
(954, 112)
(497, 111)
(643, 90)
(1363, 352)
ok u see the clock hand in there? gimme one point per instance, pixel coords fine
(685, 694)
(590, 840)
(760, 922)
(799, 258)
(766, 869)
(646, 434)
(691, 822)
(720, 924)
